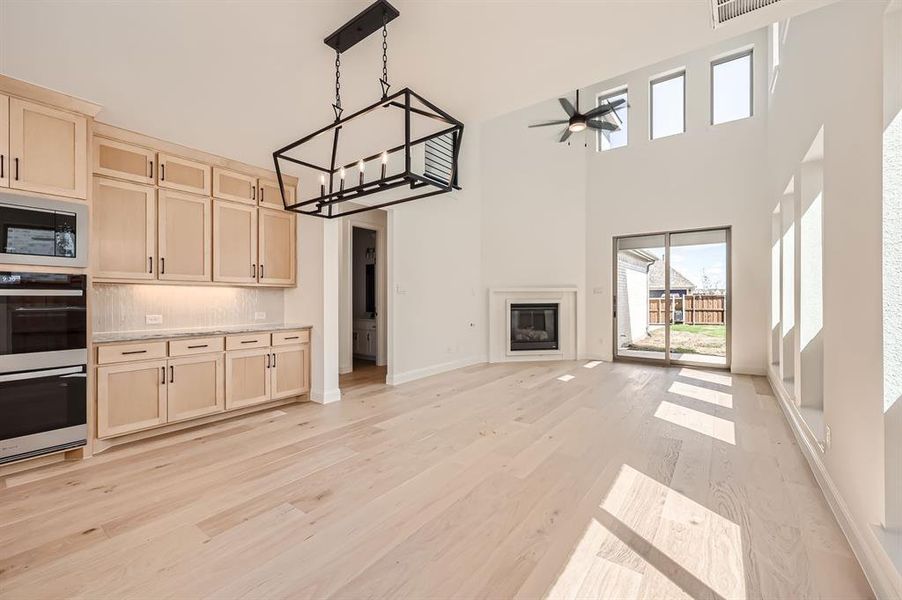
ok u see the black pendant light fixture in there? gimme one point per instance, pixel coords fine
(398, 149)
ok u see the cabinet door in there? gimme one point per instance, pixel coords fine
(130, 397)
(229, 185)
(124, 161)
(247, 377)
(185, 237)
(289, 372)
(48, 149)
(196, 386)
(277, 243)
(125, 229)
(176, 173)
(270, 196)
(234, 242)
(4, 141)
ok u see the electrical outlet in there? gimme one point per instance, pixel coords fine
(259, 316)
(153, 319)
(828, 439)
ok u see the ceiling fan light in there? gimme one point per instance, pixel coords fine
(577, 126)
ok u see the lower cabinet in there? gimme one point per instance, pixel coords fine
(197, 379)
(196, 387)
(130, 397)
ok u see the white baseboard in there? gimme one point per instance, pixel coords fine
(325, 396)
(875, 563)
(414, 374)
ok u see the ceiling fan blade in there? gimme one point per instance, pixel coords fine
(547, 123)
(566, 135)
(603, 125)
(605, 108)
(568, 107)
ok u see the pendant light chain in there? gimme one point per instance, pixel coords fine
(337, 105)
(384, 81)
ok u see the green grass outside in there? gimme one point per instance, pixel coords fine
(716, 331)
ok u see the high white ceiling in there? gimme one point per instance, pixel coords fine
(241, 78)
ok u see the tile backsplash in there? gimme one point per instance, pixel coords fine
(125, 307)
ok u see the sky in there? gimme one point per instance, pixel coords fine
(694, 262)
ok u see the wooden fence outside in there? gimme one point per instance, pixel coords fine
(689, 310)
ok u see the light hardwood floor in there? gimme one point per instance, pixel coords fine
(624, 481)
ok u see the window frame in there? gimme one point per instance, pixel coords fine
(625, 89)
(651, 101)
(750, 52)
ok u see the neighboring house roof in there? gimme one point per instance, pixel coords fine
(678, 281)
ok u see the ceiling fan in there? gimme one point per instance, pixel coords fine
(593, 119)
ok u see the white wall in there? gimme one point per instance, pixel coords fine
(831, 71)
(437, 299)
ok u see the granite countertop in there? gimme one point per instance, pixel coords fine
(161, 334)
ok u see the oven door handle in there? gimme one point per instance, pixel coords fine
(28, 292)
(41, 374)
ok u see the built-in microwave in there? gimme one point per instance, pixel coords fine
(42, 231)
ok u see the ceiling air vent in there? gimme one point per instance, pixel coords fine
(727, 10)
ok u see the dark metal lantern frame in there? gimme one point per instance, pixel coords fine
(443, 152)
(324, 205)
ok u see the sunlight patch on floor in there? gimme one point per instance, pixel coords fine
(592, 364)
(715, 427)
(710, 377)
(565, 378)
(702, 393)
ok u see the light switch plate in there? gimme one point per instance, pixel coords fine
(259, 316)
(153, 319)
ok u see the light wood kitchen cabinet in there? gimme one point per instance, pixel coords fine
(276, 247)
(247, 377)
(289, 371)
(234, 242)
(230, 185)
(47, 149)
(185, 237)
(124, 161)
(130, 397)
(196, 387)
(182, 174)
(4, 141)
(269, 195)
(125, 226)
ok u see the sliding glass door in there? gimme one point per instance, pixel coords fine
(672, 297)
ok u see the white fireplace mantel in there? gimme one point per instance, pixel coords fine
(500, 300)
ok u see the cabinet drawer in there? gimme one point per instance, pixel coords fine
(130, 352)
(287, 338)
(195, 346)
(248, 340)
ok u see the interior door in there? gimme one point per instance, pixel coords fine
(185, 233)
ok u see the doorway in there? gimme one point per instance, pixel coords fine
(365, 330)
(672, 297)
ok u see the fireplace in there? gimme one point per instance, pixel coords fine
(534, 327)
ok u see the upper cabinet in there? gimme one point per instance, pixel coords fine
(47, 149)
(183, 174)
(277, 247)
(234, 242)
(185, 236)
(270, 196)
(229, 185)
(125, 226)
(4, 141)
(123, 161)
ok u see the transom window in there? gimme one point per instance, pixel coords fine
(608, 140)
(731, 88)
(668, 105)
